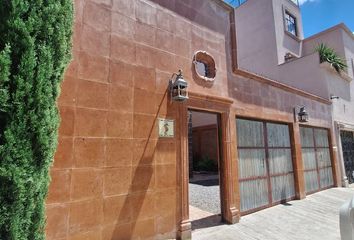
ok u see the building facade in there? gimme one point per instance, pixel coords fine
(122, 166)
(341, 39)
(276, 48)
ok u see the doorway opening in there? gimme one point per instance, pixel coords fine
(204, 174)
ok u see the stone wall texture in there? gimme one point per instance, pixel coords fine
(112, 177)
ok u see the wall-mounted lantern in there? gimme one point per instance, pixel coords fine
(332, 97)
(178, 87)
(301, 114)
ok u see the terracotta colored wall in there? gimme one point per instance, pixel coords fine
(113, 178)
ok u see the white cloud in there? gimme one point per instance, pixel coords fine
(305, 1)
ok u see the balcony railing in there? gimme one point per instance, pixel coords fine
(237, 3)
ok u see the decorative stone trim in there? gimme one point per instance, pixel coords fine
(202, 57)
(211, 98)
(228, 165)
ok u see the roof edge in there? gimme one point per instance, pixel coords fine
(335, 27)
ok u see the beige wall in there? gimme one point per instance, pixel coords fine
(342, 41)
(319, 79)
(263, 42)
(348, 42)
(256, 39)
(331, 38)
(339, 38)
(343, 108)
(305, 73)
(286, 42)
(261, 37)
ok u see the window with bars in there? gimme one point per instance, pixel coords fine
(290, 23)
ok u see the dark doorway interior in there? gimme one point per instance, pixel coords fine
(348, 153)
(204, 157)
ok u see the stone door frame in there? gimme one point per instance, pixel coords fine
(227, 168)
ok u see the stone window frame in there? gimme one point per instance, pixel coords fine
(208, 60)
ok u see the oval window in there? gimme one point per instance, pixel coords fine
(204, 66)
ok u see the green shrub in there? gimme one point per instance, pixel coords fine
(207, 164)
(35, 46)
(328, 54)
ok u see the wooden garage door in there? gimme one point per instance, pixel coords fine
(316, 158)
(265, 164)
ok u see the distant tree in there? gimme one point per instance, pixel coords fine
(35, 48)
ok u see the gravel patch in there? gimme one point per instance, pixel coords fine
(205, 195)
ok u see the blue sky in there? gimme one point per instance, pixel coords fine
(318, 15)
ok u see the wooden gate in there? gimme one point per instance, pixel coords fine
(266, 174)
(316, 158)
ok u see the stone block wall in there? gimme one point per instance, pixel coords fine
(113, 177)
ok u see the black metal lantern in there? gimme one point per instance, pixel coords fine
(178, 88)
(303, 116)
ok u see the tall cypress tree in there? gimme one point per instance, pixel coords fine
(35, 46)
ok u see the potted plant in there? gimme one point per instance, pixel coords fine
(328, 54)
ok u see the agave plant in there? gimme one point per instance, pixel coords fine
(328, 54)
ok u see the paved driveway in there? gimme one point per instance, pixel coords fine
(314, 218)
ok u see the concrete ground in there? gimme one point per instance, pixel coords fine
(313, 218)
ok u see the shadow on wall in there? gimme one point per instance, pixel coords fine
(142, 177)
